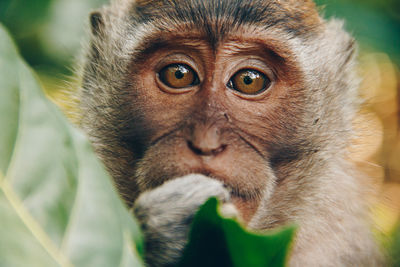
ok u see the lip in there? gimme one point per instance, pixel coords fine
(212, 174)
(243, 201)
(233, 190)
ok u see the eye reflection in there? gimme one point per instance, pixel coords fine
(249, 81)
(178, 76)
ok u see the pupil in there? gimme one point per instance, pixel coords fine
(247, 80)
(179, 74)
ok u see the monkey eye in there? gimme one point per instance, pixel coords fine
(178, 76)
(249, 82)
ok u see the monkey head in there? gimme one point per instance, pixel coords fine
(256, 94)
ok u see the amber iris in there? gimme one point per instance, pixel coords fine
(178, 76)
(250, 82)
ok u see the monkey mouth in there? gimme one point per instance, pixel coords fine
(234, 190)
(245, 201)
(212, 174)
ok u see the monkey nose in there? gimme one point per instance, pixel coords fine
(203, 149)
(206, 141)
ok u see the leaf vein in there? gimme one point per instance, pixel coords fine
(33, 226)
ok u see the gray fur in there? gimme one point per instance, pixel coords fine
(317, 187)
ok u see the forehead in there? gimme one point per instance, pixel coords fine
(243, 40)
(216, 18)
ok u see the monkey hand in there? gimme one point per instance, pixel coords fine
(166, 212)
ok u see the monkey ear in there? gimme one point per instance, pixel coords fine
(96, 22)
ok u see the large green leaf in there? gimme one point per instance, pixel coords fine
(222, 242)
(57, 204)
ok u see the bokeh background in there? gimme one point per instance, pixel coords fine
(50, 34)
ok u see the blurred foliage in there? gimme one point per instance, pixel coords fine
(49, 33)
(374, 23)
(395, 247)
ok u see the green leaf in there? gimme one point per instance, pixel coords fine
(218, 241)
(58, 206)
(394, 250)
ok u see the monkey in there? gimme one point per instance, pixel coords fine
(251, 101)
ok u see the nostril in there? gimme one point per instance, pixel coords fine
(205, 151)
(218, 150)
(193, 148)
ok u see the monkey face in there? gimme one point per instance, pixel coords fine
(230, 89)
(217, 111)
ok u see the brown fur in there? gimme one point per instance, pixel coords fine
(283, 151)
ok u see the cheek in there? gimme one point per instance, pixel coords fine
(271, 121)
(155, 112)
(246, 208)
